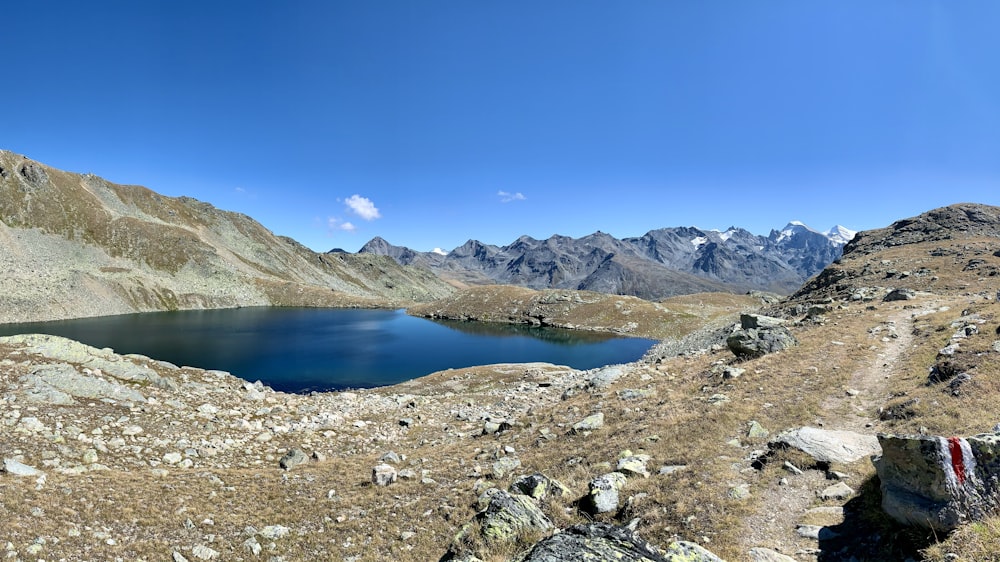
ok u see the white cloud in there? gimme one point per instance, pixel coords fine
(506, 197)
(439, 251)
(335, 224)
(363, 207)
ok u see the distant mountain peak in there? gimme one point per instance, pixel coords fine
(840, 234)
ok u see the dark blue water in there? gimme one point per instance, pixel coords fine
(299, 350)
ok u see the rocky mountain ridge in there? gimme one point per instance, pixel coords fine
(75, 245)
(661, 263)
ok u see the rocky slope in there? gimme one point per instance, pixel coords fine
(76, 245)
(664, 262)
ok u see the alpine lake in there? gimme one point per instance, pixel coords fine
(318, 349)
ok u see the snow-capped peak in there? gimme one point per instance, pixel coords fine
(439, 252)
(791, 229)
(840, 235)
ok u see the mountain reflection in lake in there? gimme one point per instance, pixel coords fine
(305, 349)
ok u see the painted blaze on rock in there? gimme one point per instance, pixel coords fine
(939, 482)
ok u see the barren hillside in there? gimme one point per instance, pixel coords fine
(76, 245)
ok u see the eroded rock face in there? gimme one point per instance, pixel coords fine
(939, 482)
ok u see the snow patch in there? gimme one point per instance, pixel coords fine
(699, 241)
(439, 252)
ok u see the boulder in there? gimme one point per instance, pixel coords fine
(15, 468)
(747, 343)
(539, 487)
(939, 482)
(589, 423)
(756, 321)
(510, 516)
(828, 446)
(293, 458)
(602, 496)
(384, 474)
(900, 295)
(600, 541)
(504, 466)
(633, 465)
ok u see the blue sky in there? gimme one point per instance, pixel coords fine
(429, 123)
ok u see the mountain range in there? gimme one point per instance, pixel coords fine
(658, 264)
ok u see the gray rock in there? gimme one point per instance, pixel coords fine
(900, 295)
(730, 372)
(274, 532)
(589, 423)
(390, 456)
(838, 491)
(602, 495)
(15, 468)
(937, 482)
(383, 475)
(178, 557)
(768, 555)
(504, 466)
(756, 321)
(667, 470)
(756, 431)
(202, 552)
(492, 427)
(633, 465)
(60, 383)
(605, 376)
(539, 486)
(293, 458)
(825, 445)
(684, 551)
(756, 342)
(595, 541)
(508, 516)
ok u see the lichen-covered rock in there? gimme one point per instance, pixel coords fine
(507, 517)
(595, 541)
(939, 482)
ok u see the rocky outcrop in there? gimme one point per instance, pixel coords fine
(759, 335)
(939, 482)
(75, 245)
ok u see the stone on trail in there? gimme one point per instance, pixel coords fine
(939, 482)
(828, 446)
(838, 491)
